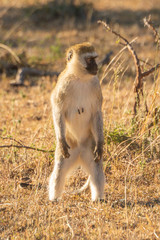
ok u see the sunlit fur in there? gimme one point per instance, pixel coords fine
(76, 106)
(77, 63)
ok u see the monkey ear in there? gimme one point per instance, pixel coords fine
(69, 55)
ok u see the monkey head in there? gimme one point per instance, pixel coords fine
(81, 58)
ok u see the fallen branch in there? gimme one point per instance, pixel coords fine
(27, 147)
(27, 71)
(23, 72)
(12, 139)
(139, 74)
(21, 145)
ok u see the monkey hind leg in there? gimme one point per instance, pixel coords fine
(57, 181)
(61, 169)
(97, 179)
(97, 182)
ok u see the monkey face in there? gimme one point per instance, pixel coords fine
(92, 67)
(81, 59)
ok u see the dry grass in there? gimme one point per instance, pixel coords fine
(131, 209)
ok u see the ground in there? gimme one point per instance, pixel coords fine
(39, 32)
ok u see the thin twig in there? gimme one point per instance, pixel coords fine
(21, 145)
(27, 147)
(113, 59)
(153, 69)
(149, 24)
(10, 138)
(139, 74)
(132, 51)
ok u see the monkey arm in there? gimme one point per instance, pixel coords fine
(97, 130)
(58, 118)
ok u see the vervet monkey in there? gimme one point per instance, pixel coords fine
(76, 106)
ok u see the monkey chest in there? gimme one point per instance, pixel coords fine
(80, 107)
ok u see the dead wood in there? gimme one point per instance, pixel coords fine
(21, 145)
(24, 72)
(139, 74)
(149, 24)
(32, 72)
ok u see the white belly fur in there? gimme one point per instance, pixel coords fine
(78, 120)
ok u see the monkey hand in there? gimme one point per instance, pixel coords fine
(64, 148)
(98, 152)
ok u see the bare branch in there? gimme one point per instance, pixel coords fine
(149, 24)
(139, 74)
(27, 71)
(113, 59)
(21, 145)
(153, 69)
(27, 147)
(130, 48)
(10, 138)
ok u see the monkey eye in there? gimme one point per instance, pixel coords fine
(89, 60)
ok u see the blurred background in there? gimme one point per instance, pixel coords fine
(34, 34)
(39, 31)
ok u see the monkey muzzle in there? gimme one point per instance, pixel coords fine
(92, 67)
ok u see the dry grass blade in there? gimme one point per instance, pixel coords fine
(139, 74)
(132, 146)
(139, 83)
(114, 59)
(11, 52)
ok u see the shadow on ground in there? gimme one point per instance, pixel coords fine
(40, 16)
(149, 203)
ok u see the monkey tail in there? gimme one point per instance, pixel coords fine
(83, 188)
